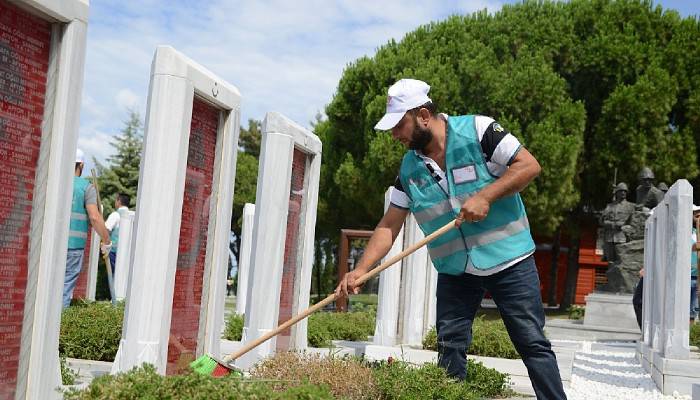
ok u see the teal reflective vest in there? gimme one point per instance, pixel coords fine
(114, 237)
(503, 236)
(77, 235)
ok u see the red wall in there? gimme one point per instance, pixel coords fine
(24, 58)
(187, 296)
(291, 246)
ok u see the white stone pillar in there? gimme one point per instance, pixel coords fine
(430, 297)
(413, 294)
(165, 168)
(93, 264)
(244, 256)
(677, 244)
(281, 139)
(121, 269)
(386, 326)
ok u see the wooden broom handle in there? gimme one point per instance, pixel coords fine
(331, 297)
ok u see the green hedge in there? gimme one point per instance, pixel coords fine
(489, 339)
(146, 383)
(323, 327)
(695, 335)
(91, 331)
(326, 326)
(234, 327)
(399, 381)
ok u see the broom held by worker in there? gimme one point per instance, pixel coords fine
(84, 213)
(471, 169)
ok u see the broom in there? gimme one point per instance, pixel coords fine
(208, 365)
(108, 264)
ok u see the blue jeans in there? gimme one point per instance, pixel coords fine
(113, 260)
(74, 263)
(516, 292)
(693, 298)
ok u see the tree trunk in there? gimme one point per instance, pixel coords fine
(571, 266)
(554, 268)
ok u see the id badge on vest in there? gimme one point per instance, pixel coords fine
(464, 174)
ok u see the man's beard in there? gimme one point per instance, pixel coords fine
(420, 137)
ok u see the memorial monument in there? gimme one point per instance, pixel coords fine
(281, 259)
(177, 286)
(42, 53)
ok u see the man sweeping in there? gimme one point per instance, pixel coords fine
(471, 169)
(84, 212)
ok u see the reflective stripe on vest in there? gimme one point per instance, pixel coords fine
(77, 234)
(504, 234)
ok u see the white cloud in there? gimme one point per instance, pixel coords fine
(126, 99)
(283, 56)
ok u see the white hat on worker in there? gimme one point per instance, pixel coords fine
(79, 156)
(403, 95)
(696, 208)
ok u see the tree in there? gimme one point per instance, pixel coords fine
(121, 174)
(586, 85)
(246, 178)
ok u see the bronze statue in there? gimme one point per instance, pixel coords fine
(616, 216)
(648, 195)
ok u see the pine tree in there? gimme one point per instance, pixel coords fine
(121, 174)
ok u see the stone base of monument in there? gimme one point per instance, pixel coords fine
(671, 375)
(608, 317)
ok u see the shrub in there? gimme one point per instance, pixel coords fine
(346, 377)
(399, 380)
(67, 375)
(234, 327)
(352, 378)
(695, 335)
(576, 312)
(146, 383)
(325, 326)
(489, 339)
(91, 331)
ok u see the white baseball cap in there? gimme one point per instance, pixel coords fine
(403, 95)
(696, 208)
(79, 156)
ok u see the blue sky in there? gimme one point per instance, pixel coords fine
(284, 56)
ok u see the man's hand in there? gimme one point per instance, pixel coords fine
(474, 209)
(106, 247)
(348, 284)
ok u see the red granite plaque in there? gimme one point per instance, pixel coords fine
(187, 297)
(291, 246)
(24, 59)
(81, 286)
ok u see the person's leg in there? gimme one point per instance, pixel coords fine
(458, 298)
(74, 263)
(113, 260)
(516, 292)
(693, 300)
(637, 301)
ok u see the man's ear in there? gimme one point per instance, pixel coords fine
(423, 116)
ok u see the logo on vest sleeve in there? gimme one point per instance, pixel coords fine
(418, 182)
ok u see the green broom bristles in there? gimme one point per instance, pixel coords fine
(204, 365)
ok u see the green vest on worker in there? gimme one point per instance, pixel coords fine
(114, 237)
(503, 236)
(77, 235)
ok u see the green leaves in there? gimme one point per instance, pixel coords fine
(587, 86)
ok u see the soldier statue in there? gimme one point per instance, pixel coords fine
(616, 216)
(648, 195)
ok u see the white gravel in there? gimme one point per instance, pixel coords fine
(612, 373)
